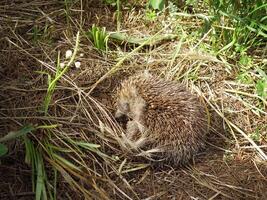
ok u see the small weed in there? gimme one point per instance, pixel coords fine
(99, 37)
(59, 73)
(151, 15)
(51, 85)
(35, 159)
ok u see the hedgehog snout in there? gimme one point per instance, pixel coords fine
(122, 120)
(121, 116)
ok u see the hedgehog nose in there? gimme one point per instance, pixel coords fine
(121, 117)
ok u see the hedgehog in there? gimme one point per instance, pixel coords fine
(165, 114)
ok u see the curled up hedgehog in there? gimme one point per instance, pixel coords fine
(163, 118)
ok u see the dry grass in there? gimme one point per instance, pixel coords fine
(33, 32)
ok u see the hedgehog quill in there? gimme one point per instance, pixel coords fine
(163, 115)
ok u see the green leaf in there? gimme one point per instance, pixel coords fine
(3, 150)
(139, 41)
(47, 126)
(88, 145)
(40, 192)
(157, 4)
(261, 87)
(151, 15)
(14, 134)
(92, 147)
(64, 162)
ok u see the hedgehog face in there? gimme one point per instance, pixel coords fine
(130, 104)
(123, 108)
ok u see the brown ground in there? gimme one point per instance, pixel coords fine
(222, 171)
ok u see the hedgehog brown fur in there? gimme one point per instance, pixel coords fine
(170, 118)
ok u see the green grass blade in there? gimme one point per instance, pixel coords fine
(87, 145)
(40, 192)
(47, 126)
(55, 183)
(15, 134)
(31, 158)
(65, 162)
